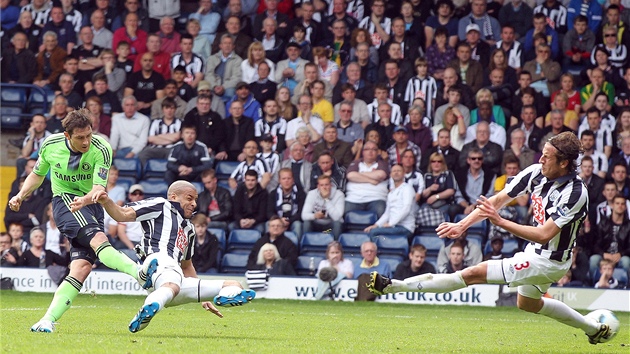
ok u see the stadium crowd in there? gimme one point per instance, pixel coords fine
(402, 113)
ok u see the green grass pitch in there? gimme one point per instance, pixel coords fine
(98, 324)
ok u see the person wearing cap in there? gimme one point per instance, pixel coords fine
(210, 127)
(184, 90)
(490, 27)
(470, 71)
(223, 70)
(251, 107)
(402, 143)
(480, 50)
(193, 63)
(216, 103)
(170, 91)
(272, 126)
(290, 72)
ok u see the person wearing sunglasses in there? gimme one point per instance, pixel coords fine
(472, 183)
(439, 184)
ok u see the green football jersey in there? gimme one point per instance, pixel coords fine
(72, 172)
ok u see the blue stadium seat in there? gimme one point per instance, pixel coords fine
(125, 182)
(432, 243)
(393, 261)
(292, 236)
(220, 234)
(356, 260)
(155, 168)
(198, 187)
(38, 103)
(315, 242)
(11, 117)
(432, 260)
(154, 188)
(234, 263)
(358, 220)
(476, 239)
(129, 167)
(351, 242)
(396, 245)
(13, 97)
(510, 246)
(224, 169)
(302, 268)
(242, 240)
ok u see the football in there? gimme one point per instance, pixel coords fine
(607, 317)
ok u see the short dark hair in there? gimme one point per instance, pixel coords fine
(77, 119)
(251, 173)
(168, 102)
(593, 110)
(587, 132)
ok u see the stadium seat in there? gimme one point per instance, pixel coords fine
(356, 260)
(154, 188)
(224, 169)
(396, 245)
(129, 167)
(302, 267)
(242, 240)
(234, 263)
(358, 220)
(220, 234)
(125, 182)
(155, 168)
(432, 243)
(11, 117)
(351, 242)
(393, 261)
(476, 239)
(38, 102)
(198, 187)
(432, 260)
(292, 236)
(315, 242)
(13, 96)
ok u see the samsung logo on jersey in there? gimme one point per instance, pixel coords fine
(76, 178)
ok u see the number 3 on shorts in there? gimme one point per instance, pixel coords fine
(522, 266)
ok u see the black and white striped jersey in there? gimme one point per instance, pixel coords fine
(195, 66)
(158, 127)
(396, 118)
(563, 200)
(259, 165)
(165, 229)
(422, 88)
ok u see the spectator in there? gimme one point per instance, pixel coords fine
(123, 49)
(623, 157)
(10, 15)
(299, 165)
(367, 182)
(250, 204)
(455, 259)
(442, 146)
(50, 61)
(516, 15)
(239, 129)
(263, 88)
(286, 109)
(323, 207)
(598, 84)
(517, 149)
(533, 134)
(578, 43)
(399, 217)
(473, 183)
(484, 114)
(337, 45)
(193, 64)
(38, 257)
(334, 258)
(201, 45)
(271, 12)
(18, 64)
(101, 122)
(607, 279)
(327, 165)
(16, 231)
(453, 123)
(272, 38)
(185, 91)
(365, 55)
(39, 10)
(170, 38)
(206, 245)
(129, 234)
(130, 130)
(360, 88)
(235, 8)
(25, 25)
(270, 261)
(471, 254)
(305, 87)
(370, 261)
(340, 150)
(240, 40)
(491, 29)
(544, 71)
(271, 157)
(613, 237)
(223, 70)
(439, 54)
(34, 139)
(593, 182)
(492, 152)
(306, 118)
(251, 108)
(250, 162)
(215, 201)
(66, 35)
(349, 130)
(378, 26)
(439, 184)
(620, 176)
(273, 125)
(163, 134)
(472, 71)
(133, 35)
(599, 160)
(58, 114)
(170, 93)
(10, 255)
(133, 6)
(31, 213)
(603, 135)
(415, 265)
(255, 56)
(103, 37)
(146, 85)
(591, 9)
(402, 143)
(208, 19)
(286, 201)
(290, 72)
(542, 27)
(210, 126)
(109, 99)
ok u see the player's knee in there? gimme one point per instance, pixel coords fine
(528, 304)
(475, 275)
(98, 239)
(232, 283)
(80, 269)
(174, 288)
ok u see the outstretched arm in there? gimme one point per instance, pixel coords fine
(32, 182)
(117, 212)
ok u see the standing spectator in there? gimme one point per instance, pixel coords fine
(491, 30)
(286, 201)
(323, 208)
(250, 204)
(224, 69)
(130, 130)
(188, 158)
(146, 85)
(19, 65)
(210, 126)
(215, 201)
(50, 61)
(207, 246)
(367, 182)
(164, 132)
(208, 19)
(415, 265)
(518, 16)
(133, 35)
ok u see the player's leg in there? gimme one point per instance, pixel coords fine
(68, 290)
(200, 290)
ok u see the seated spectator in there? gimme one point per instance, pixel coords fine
(357, 98)
(299, 165)
(50, 61)
(399, 217)
(598, 159)
(129, 234)
(324, 208)
(251, 162)
(606, 279)
(87, 53)
(271, 157)
(170, 92)
(273, 125)
(613, 237)
(348, 130)
(239, 129)
(250, 204)
(16, 231)
(10, 255)
(496, 245)
(251, 107)
(272, 39)
(286, 201)
(57, 114)
(570, 118)
(206, 245)
(472, 183)
(114, 190)
(109, 99)
(527, 124)
(523, 155)
(326, 165)
(273, 9)
(452, 123)
(34, 139)
(66, 35)
(578, 43)
(290, 72)
(263, 88)
(271, 262)
(419, 134)
(594, 183)
(215, 201)
(286, 109)
(340, 150)
(223, 70)
(541, 26)
(130, 130)
(27, 26)
(275, 236)
(367, 182)
(103, 36)
(122, 57)
(210, 126)
(370, 262)
(201, 45)
(471, 254)
(19, 65)
(306, 118)
(439, 184)
(31, 212)
(439, 54)
(101, 123)
(163, 134)
(240, 39)
(208, 19)
(38, 257)
(170, 38)
(415, 265)
(455, 258)
(255, 56)
(474, 73)
(492, 152)
(334, 259)
(132, 6)
(192, 63)
(622, 157)
(132, 34)
(384, 125)
(442, 145)
(546, 79)
(105, 6)
(497, 114)
(603, 135)
(338, 45)
(145, 85)
(402, 143)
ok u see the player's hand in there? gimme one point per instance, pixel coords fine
(450, 230)
(15, 203)
(487, 210)
(99, 197)
(77, 203)
(208, 306)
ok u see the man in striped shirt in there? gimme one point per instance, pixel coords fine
(560, 205)
(169, 239)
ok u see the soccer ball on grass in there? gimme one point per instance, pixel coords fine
(606, 317)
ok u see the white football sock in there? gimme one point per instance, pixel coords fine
(561, 312)
(196, 290)
(429, 283)
(162, 295)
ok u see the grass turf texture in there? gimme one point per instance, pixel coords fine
(98, 324)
